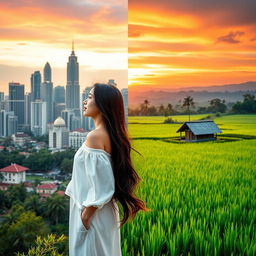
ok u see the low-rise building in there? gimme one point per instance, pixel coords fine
(46, 189)
(20, 138)
(12, 175)
(77, 138)
(199, 131)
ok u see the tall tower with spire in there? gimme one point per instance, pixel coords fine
(73, 87)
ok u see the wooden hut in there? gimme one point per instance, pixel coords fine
(199, 130)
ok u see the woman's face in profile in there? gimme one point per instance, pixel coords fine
(89, 105)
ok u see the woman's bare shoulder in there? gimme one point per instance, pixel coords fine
(97, 139)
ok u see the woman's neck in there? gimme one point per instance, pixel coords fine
(98, 122)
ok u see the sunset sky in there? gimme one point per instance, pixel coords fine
(175, 44)
(36, 31)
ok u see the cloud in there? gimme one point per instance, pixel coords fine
(231, 38)
(134, 34)
(191, 42)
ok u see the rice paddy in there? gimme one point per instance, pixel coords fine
(201, 195)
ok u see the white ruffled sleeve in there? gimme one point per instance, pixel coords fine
(101, 183)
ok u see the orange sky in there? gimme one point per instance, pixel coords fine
(34, 32)
(175, 44)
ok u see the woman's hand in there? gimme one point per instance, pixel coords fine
(86, 216)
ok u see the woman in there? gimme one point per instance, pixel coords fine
(102, 176)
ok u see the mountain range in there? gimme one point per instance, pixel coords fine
(201, 95)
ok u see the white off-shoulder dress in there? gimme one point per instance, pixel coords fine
(93, 184)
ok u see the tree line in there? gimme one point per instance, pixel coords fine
(43, 160)
(247, 106)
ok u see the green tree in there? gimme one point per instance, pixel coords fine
(55, 208)
(66, 165)
(15, 211)
(34, 204)
(217, 105)
(16, 193)
(42, 160)
(4, 201)
(188, 102)
(46, 246)
(21, 234)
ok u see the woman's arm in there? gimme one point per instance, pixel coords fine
(87, 214)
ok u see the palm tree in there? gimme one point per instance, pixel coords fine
(188, 102)
(144, 107)
(55, 207)
(33, 203)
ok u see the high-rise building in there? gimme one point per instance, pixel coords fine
(1, 96)
(8, 123)
(58, 108)
(16, 102)
(87, 122)
(73, 87)
(47, 92)
(1, 100)
(38, 117)
(71, 120)
(59, 94)
(47, 73)
(59, 100)
(35, 85)
(27, 111)
(124, 93)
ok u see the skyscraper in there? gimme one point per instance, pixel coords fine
(47, 73)
(87, 122)
(59, 94)
(16, 102)
(38, 117)
(73, 87)
(8, 123)
(1, 100)
(27, 111)
(1, 96)
(47, 92)
(35, 85)
(124, 93)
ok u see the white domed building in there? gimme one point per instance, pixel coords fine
(58, 135)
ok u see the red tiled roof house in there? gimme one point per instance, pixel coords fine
(46, 189)
(13, 174)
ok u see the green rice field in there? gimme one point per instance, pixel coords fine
(201, 195)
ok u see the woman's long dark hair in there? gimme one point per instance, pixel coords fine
(109, 101)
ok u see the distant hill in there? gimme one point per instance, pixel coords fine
(229, 92)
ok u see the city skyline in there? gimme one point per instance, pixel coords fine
(176, 44)
(33, 33)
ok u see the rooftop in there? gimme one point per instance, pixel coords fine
(200, 127)
(14, 168)
(47, 186)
